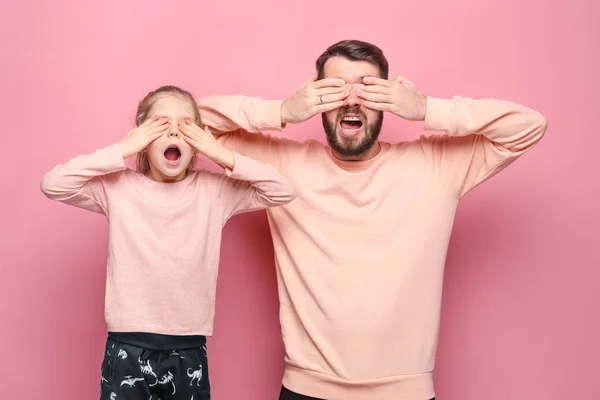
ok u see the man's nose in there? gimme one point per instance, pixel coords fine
(352, 100)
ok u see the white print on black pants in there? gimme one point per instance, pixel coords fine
(133, 373)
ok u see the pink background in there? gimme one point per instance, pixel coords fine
(520, 313)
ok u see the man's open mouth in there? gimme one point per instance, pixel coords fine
(350, 125)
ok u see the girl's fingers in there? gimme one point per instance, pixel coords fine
(157, 121)
(208, 132)
(159, 129)
(191, 142)
(148, 121)
(152, 137)
(187, 131)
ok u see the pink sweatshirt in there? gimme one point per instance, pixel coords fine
(164, 238)
(361, 251)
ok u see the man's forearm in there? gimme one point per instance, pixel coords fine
(227, 113)
(510, 125)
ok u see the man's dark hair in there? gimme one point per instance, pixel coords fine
(355, 50)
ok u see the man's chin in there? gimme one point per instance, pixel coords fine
(348, 150)
(350, 141)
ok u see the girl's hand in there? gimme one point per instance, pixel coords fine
(140, 137)
(203, 141)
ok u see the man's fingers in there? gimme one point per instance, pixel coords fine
(325, 107)
(312, 78)
(402, 79)
(332, 89)
(335, 97)
(375, 97)
(329, 82)
(371, 80)
(373, 88)
(378, 106)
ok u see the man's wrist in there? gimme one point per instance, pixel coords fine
(284, 113)
(423, 109)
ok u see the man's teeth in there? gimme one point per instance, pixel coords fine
(348, 119)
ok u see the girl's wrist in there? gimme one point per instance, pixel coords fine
(227, 159)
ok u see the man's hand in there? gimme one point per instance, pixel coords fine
(399, 96)
(314, 97)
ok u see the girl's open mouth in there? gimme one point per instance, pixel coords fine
(173, 155)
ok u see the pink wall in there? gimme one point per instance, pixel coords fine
(520, 318)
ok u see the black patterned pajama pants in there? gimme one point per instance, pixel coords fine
(144, 366)
(287, 394)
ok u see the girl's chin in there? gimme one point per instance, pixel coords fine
(167, 173)
(172, 171)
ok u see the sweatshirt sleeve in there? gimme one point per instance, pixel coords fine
(483, 137)
(79, 182)
(227, 113)
(252, 186)
(238, 121)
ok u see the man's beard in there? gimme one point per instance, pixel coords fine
(352, 147)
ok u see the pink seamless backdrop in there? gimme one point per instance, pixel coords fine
(520, 313)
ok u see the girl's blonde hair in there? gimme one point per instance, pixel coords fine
(144, 110)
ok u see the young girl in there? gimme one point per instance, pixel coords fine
(165, 224)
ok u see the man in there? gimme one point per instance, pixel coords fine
(360, 253)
